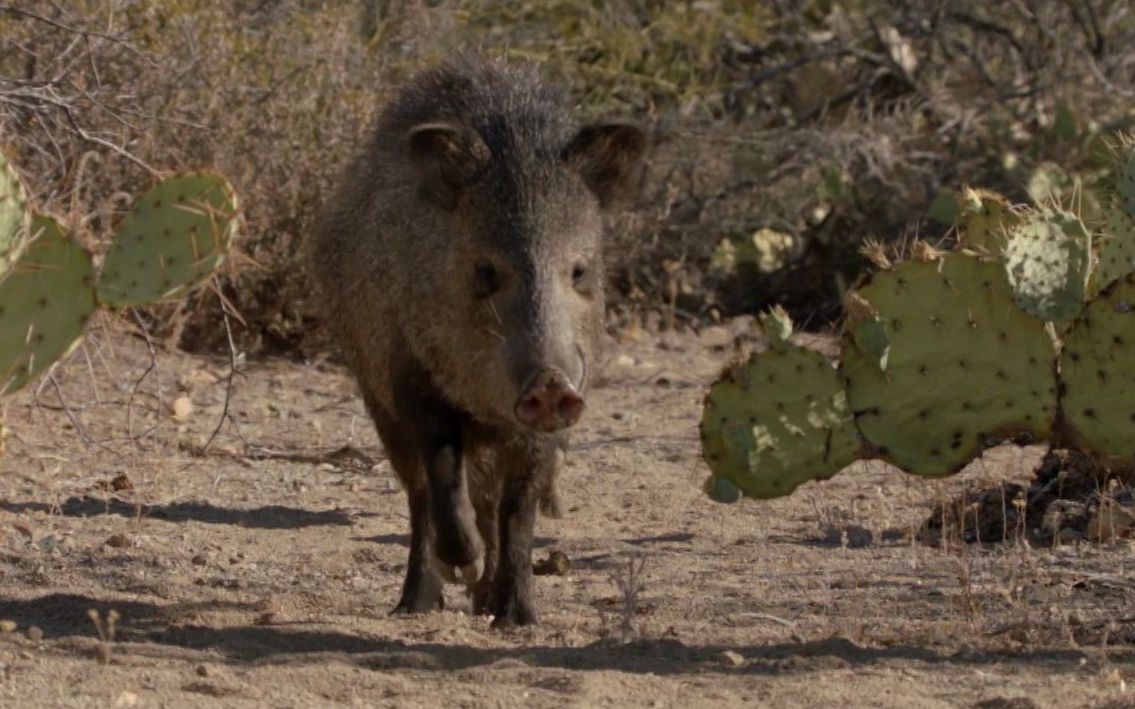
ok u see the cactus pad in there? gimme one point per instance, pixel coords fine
(176, 236)
(1115, 247)
(1097, 375)
(775, 422)
(45, 302)
(963, 365)
(14, 216)
(719, 489)
(986, 218)
(1048, 260)
(1048, 183)
(1125, 179)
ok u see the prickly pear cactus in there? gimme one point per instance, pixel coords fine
(986, 218)
(15, 217)
(1125, 179)
(775, 422)
(938, 361)
(1048, 259)
(45, 302)
(1115, 247)
(1048, 183)
(1097, 374)
(176, 236)
(767, 250)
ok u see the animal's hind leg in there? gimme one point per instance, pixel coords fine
(481, 592)
(422, 589)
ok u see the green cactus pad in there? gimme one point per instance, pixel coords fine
(44, 304)
(1097, 375)
(1115, 247)
(719, 489)
(986, 218)
(1125, 179)
(176, 236)
(777, 325)
(944, 208)
(963, 367)
(15, 217)
(775, 422)
(1048, 183)
(1048, 260)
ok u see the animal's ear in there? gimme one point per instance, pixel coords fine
(609, 158)
(449, 157)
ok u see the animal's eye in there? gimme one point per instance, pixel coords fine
(581, 278)
(486, 281)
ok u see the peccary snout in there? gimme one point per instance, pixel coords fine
(550, 402)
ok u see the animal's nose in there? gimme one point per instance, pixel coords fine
(549, 403)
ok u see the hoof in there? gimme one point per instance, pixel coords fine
(418, 606)
(515, 615)
(468, 574)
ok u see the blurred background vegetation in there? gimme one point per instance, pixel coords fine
(785, 133)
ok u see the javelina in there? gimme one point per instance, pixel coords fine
(459, 265)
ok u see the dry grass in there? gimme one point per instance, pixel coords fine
(834, 122)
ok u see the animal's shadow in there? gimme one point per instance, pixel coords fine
(145, 628)
(266, 517)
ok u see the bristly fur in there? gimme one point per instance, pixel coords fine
(472, 163)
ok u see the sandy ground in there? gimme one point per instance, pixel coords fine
(260, 573)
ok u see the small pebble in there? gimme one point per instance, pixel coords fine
(182, 408)
(730, 658)
(557, 564)
(35, 634)
(121, 482)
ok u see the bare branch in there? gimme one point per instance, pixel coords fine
(20, 12)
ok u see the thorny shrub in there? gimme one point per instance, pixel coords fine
(832, 121)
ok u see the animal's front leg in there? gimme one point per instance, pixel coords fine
(458, 547)
(512, 593)
(527, 467)
(421, 590)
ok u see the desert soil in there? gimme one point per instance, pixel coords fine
(260, 572)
